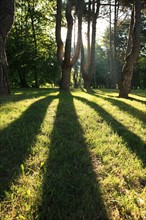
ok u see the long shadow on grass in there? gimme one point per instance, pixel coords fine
(129, 98)
(70, 189)
(26, 94)
(16, 141)
(137, 100)
(139, 93)
(127, 108)
(134, 142)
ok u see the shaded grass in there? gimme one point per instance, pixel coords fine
(140, 115)
(70, 189)
(17, 139)
(133, 141)
(72, 156)
(23, 94)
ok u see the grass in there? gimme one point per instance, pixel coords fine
(70, 156)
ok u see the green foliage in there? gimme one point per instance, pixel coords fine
(101, 68)
(28, 55)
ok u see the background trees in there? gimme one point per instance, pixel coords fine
(31, 46)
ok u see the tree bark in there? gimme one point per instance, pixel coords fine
(87, 76)
(58, 32)
(110, 46)
(65, 60)
(65, 80)
(6, 21)
(127, 72)
(114, 74)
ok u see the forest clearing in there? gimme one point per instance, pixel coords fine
(72, 155)
(73, 110)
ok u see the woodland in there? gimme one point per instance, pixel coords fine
(39, 56)
(73, 110)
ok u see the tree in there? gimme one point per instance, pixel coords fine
(88, 67)
(31, 47)
(6, 21)
(134, 37)
(64, 57)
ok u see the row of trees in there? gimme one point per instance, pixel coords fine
(91, 9)
(32, 47)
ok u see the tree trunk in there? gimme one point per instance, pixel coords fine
(127, 72)
(87, 82)
(87, 77)
(59, 41)
(114, 74)
(31, 10)
(111, 48)
(6, 21)
(75, 76)
(4, 80)
(66, 65)
(92, 62)
(65, 80)
(64, 59)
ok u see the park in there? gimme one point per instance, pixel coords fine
(72, 110)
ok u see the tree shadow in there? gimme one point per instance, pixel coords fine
(26, 94)
(16, 141)
(133, 142)
(70, 188)
(137, 100)
(128, 98)
(139, 93)
(140, 115)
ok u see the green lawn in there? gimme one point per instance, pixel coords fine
(72, 156)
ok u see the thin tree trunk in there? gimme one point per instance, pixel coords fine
(114, 75)
(66, 65)
(75, 73)
(85, 65)
(110, 49)
(58, 33)
(127, 72)
(31, 11)
(4, 80)
(87, 77)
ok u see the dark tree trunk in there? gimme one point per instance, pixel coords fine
(6, 21)
(87, 76)
(65, 60)
(114, 74)
(87, 82)
(31, 11)
(110, 48)
(23, 81)
(75, 77)
(4, 80)
(58, 32)
(65, 80)
(127, 72)
(66, 65)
